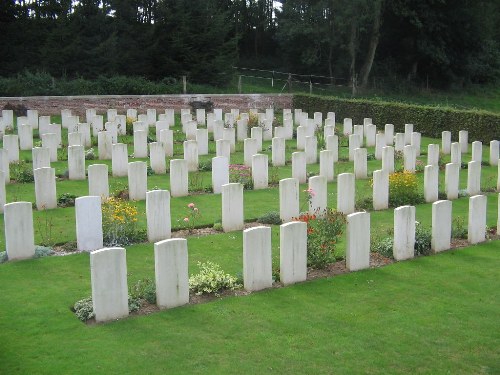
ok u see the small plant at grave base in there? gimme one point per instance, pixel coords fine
(383, 247)
(90, 154)
(271, 217)
(84, 308)
(423, 238)
(196, 181)
(129, 126)
(276, 269)
(66, 200)
(241, 174)
(62, 154)
(149, 171)
(43, 251)
(323, 232)
(253, 120)
(274, 176)
(3, 257)
(212, 280)
(218, 227)
(458, 228)
(120, 190)
(403, 189)
(144, 289)
(320, 137)
(193, 215)
(205, 166)
(371, 156)
(119, 223)
(22, 172)
(419, 166)
(44, 225)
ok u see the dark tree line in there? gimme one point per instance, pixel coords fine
(446, 41)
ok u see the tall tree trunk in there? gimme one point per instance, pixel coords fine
(352, 51)
(372, 47)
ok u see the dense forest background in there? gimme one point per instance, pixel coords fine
(450, 42)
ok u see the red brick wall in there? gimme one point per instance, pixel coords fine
(52, 105)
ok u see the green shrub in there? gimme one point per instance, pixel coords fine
(423, 238)
(384, 247)
(271, 217)
(66, 200)
(43, 251)
(22, 172)
(459, 229)
(323, 232)
(84, 310)
(3, 257)
(211, 279)
(144, 289)
(403, 189)
(430, 120)
(90, 154)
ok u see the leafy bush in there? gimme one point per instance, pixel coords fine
(323, 233)
(423, 238)
(384, 247)
(271, 217)
(3, 257)
(205, 166)
(144, 289)
(211, 279)
(119, 223)
(242, 174)
(22, 172)
(84, 310)
(459, 229)
(431, 120)
(66, 200)
(90, 154)
(43, 251)
(403, 189)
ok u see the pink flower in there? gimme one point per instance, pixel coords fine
(310, 192)
(191, 205)
(186, 219)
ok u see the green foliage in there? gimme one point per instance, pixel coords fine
(241, 174)
(271, 217)
(3, 257)
(119, 223)
(22, 172)
(66, 200)
(323, 233)
(90, 154)
(84, 310)
(212, 280)
(430, 120)
(43, 251)
(383, 246)
(458, 228)
(144, 289)
(403, 189)
(423, 238)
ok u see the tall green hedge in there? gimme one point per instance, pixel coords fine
(430, 121)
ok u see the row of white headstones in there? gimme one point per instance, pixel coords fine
(45, 187)
(110, 299)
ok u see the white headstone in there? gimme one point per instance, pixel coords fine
(98, 180)
(354, 143)
(404, 232)
(494, 152)
(232, 207)
(477, 219)
(388, 159)
(463, 139)
(380, 143)
(178, 178)
(76, 162)
(358, 241)
(446, 142)
(191, 155)
(456, 153)
(88, 223)
(380, 190)
(104, 145)
(229, 134)
(319, 195)
(451, 180)
(346, 193)
(399, 142)
(157, 158)
(416, 140)
(257, 258)
(171, 273)
(75, 139)
(40, 157)
(140, 144)
(326, 165)
(278, 152)
(360, 163)
(371, 132)
(293, 252)
(11, 144)
(474, 178)
(256, 133)
(477, 151)
(441, 226)
(409, 158)
(119, 160)
(260, 176)
(431, 183)
(45, 188)
(389, 134)
(220, 173)
(158, 215)
(299, 166)
(167, 139)
(347, 126)
(25, 133)
(4, 165)
(108, 271)
(202, 141)
(408, 131)
(19, 233)
(137, 180)
(250, 149)
(433, 154)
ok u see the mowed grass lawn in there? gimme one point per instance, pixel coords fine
(438, 314)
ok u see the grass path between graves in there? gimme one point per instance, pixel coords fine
(435, 314)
